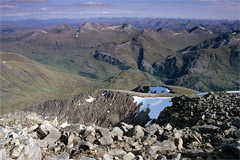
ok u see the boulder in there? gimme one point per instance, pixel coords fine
(138, 132)
(117, 132)
(117, 152)
(86, 158)
(31, 151)
(62, 156)
(129, 156)
(208, 128)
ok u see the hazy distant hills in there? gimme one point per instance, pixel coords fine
(197, 58)
(175, 24)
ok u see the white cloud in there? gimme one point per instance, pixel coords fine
(43, 9)
(93, 3)
(8, 6)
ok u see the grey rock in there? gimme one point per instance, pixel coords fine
(126, 127)
(149, 139)
(87, 146)
(166, 145)
(31, 151)
(161, 157)
(89, 134)
(86, 158)
(176, 156)
(52, 137)
(138, 132)
(70, 140)
(208, 128)
(117, 152)
(107, 157)
(153, 128)
(129, 156)
(62, 156)
(34, 127)
(106, 140)
(2, 154)
(179, 143)
(167, 126)
(117, 132)
(17, 151)
(104, 132)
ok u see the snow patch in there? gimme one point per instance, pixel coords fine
(201, 94)
(202, 27)
(233, 91)
(177, 34)
(154, 104)
(64, 125)
(90, 99)
(158, 90)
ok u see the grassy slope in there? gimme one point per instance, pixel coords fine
(24, 82)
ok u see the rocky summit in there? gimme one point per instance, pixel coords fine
(194, 127)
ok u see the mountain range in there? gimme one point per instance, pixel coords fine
(122, 56)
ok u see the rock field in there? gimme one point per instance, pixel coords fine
(195, 127)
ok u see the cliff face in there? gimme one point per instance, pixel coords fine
(103, 108)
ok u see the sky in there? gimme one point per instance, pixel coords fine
(77, 9)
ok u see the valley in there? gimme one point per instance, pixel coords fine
(61, 61)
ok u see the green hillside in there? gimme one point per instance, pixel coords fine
(24, 82)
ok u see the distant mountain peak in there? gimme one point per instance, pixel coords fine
(63, 28)
(39, 32)
(94, 26)
(101, 27)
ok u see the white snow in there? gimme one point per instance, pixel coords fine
(154, 104)
(158, 90)
(201, 94)
(233, 91)
(177, 34)
(64, 125)
(202, 27)
(90, 99)
(210, 32)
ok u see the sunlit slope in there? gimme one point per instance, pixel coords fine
(24, 82)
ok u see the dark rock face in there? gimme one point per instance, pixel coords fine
(113, 106)
(214, 119)
(107, 57)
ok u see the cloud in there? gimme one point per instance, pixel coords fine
(7, 6)
(106, 12)
(93, 3)
(227, 5)
(43, 9)
(8, 2)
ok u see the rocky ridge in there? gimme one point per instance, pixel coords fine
(197, 127)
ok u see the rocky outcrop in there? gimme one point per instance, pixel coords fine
(102, 107)
(109, 58)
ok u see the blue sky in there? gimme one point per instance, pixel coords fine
(76, 9)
